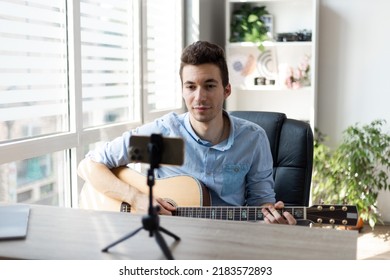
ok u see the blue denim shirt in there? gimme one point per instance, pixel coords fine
(237, 171)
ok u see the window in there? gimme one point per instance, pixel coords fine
(109, 62)
(162, 80)
(33, 69)
(36, 180)
(74, 74)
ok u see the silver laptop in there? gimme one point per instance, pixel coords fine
(14, 221)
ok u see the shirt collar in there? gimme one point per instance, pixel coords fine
(224, 145)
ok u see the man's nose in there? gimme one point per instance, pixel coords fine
(200, 94)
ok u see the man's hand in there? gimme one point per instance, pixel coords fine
(272, 215)
(142, 204)
(165, 207)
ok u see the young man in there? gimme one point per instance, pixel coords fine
(231, 156)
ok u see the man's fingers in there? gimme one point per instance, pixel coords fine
(290, 219)
(279, 205)
(272, 215)
(165, 207)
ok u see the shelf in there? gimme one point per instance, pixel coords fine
(248, 65)
(275, 89)
(270, 44)
(263, 1)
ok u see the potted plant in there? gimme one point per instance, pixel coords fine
(355, 171)
(247, 25)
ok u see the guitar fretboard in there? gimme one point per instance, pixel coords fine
(232, 213)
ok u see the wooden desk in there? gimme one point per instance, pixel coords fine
(75, 234)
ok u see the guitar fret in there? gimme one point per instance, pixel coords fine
(202, 213)
(259, 215)
(298, 213)
(205, 213)
(245, 214)
(225, 213)
(230, 213)
(251, 214)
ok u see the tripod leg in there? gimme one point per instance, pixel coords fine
(161, 242)
(169, 233)
(120, 240)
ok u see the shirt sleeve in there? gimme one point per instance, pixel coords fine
(116, 152)
(260, 182)
(113, 154)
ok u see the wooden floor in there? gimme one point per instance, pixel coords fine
(374, 244)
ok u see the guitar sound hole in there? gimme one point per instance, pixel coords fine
(125, 207)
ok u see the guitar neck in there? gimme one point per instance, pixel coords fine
(320, 214)
(248, 213)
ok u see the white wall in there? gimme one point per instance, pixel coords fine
(354, 64)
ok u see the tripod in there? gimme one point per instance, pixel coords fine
(151, 222)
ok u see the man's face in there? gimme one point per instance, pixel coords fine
(203, 91)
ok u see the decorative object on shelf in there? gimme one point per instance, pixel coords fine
(298, 77)
(247, 66)
(241, 66)
(267, 64)
(300, 36)
(355, 171)
(248, 25)
(263, 81)
(260, 81)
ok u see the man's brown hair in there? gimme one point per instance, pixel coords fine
(202, 52)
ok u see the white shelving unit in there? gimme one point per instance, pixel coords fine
(247, 63)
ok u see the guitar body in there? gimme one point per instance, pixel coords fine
(179, 190)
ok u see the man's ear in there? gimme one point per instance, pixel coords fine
(228, 90)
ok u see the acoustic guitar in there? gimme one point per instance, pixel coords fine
(192, 199)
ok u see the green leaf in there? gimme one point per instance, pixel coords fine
(252, 18)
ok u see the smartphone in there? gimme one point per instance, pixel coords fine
(172, 149)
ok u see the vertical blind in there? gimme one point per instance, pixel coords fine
(109, 61)
(164, 42)
(33, 68)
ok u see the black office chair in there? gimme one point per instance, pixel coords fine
(291, 144)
